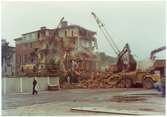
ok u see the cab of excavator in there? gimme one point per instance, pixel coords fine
(125, 60)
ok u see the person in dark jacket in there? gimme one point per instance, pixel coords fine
(34, 85)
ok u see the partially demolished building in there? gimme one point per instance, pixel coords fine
(47, 51)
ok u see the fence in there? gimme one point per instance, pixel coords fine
(24, 84)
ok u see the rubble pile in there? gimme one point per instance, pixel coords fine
(101, 80)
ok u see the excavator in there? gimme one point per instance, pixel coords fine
(159, 64)
(125, 74)
(153, 52)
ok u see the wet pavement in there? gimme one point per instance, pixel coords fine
(60, 102)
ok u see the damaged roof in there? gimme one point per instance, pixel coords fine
(73, 26)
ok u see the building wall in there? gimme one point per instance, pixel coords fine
(27, 50)
(84, 43)
(23, 54)
(10, 85)
(69, 32)
(30, 37)
(8, 60)
(79, 41)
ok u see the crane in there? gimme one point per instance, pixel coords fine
(125, 69)
(121, 65)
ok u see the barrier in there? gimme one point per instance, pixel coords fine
(24, 84)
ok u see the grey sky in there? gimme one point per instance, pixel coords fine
(141, 24)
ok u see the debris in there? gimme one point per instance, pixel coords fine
(53, 87)
(127, 98)
(147, 94)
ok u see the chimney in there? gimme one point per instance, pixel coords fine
(64, 24)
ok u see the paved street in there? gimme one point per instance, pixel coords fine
(61, 102)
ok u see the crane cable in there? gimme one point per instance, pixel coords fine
(105, 33)
(109, 42)
(100, 25)
(112, 40)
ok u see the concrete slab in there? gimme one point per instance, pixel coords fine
(114, 111)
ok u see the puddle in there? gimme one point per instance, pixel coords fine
(127, 98)
(146, 109)
(149, 94)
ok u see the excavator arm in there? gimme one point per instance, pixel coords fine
(128, 64)
(152, 57)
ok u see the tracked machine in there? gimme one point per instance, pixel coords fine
(125, 74)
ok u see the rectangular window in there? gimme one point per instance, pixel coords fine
(32, 60)
(20, 60)
(30, 45)
(25, 58)
(38, 35)
(72, 33)
(43, 33)
(47, 33)
(65, 33)
(5, 69)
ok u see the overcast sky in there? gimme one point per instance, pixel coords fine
(141, 24)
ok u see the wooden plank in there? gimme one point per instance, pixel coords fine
(115, 111)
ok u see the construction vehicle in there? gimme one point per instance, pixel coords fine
(124, 72)
(159, 67)
(159, 64)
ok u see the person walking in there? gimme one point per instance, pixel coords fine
(34, 85)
